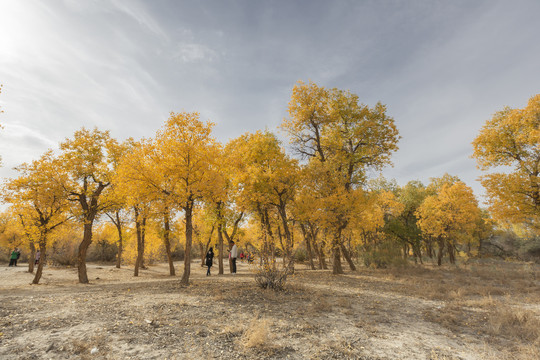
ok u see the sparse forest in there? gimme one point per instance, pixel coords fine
(347, 251)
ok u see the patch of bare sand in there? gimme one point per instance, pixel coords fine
(361, 315)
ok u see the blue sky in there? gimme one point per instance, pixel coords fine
(442, 68)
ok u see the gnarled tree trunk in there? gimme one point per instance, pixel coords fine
(83, 248)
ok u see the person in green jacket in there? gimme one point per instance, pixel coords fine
(14, 257)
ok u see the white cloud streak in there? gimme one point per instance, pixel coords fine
(441, 67)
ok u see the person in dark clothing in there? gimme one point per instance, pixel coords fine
(209, 260)
(233, 254)
(14, 257)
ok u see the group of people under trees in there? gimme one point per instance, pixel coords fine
(233, 255)
(16, 254)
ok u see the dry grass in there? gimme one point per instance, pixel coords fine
(320, 305)
(518, 324)
(258, 335)
(420, 312)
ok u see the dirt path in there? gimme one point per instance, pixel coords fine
(320, 316)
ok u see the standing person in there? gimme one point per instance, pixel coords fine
(18, 255)
(38, 255)
(14, 257)
(209, 260)
(234, 255)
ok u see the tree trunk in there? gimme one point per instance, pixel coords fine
(310, 254)
(167, 242)
(440, 252)
(120, 240)
(140, 225)
(220, 244)
(42, 259)
(451, 251)
(189, 237)
(321, 256)
(348, 257)
(307, 238)
(405, 251)
(203, 253)
(83, 248)
(336, 246)
(417, 251)
(336, 263)
(429, 248)
(289, 241)
(480, 243)
(139, 246)
(32, 257)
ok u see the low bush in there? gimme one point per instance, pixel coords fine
(300, 255)
(268, 277)
(384, 255)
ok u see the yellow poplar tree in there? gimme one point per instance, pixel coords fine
(137, 179)
(39, 201)
(511, 138)
(269, 179)
(451, 216)
(180, 164)
(117, 197)
(342, 138)
(86, 161)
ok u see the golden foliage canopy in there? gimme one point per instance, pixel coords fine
(512, 138)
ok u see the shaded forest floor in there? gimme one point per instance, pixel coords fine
(483, 310)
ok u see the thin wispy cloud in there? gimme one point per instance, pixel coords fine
(443, 68)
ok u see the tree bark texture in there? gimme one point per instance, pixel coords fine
(42, 260)
(167, 242)
(348, 257)
(189, 237)
(83, 248)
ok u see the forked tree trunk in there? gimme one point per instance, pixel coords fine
(189, 237)
(321, 256)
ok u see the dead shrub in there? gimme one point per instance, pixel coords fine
(268, 277)
(258, 334)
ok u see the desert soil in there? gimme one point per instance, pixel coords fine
(412, 313)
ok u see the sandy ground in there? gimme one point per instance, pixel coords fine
(368, 314)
